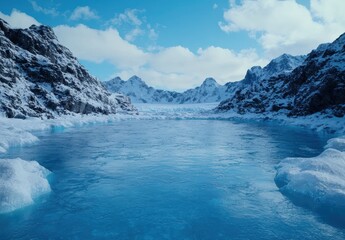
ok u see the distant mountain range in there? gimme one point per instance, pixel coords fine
(41, 78)
(208, 91)
(139, 91)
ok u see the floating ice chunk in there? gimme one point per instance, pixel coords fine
(336, 143)
(20, 183)
(12, 136)
(318, 182)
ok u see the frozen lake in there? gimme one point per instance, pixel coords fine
(167, 179)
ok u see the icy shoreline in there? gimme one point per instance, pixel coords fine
(296, 177)
(19, 132)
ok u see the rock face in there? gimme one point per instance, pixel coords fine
(316, 86)
(139, 91)
(41, 78)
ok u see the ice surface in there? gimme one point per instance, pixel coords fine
(14, 136)
(336, 143)
(21, 182)
(318, 182)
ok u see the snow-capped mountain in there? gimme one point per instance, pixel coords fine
(317, 85)
(41, 78)
(281, 65)
(208, 91)
(139, 91)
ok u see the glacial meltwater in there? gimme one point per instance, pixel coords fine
(167, 179)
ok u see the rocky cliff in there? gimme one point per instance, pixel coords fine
(41, 78)
(316, 86)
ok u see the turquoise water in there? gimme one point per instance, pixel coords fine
(167, 179)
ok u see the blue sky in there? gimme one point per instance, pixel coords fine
(177, 44)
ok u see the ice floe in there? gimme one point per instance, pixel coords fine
(21, 182)
(317, 182)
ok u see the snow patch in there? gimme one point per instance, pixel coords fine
(21, 182)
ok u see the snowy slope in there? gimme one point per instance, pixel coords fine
(316, 86)
(41, 78)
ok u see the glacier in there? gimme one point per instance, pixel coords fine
(21, 182)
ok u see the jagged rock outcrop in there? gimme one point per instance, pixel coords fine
(251, 93)
(41, 78)
(316, 86)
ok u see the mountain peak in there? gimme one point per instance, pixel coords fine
(283, 64)
(4, 26)
(135, 78)
(336, 45)
(210, 82)
(44, 31)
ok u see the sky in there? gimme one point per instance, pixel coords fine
(176, 44)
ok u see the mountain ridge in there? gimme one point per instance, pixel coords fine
(316, 86)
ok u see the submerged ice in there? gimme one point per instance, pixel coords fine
(21, 182)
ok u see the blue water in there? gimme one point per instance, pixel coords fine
(167, 179)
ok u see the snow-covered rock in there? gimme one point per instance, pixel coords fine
(21, 182)
(41, 78)
(315, 85)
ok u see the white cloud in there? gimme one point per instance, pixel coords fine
(48, 11)
(286, 26)
(133, 34)
(329, 11)
(133, 25)
(215, 6)
(153, 35)
(130, 16)
(18, 19)
(101, 45)
(83, 13)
